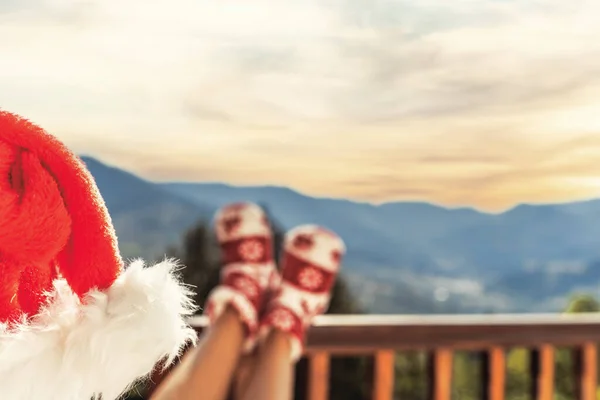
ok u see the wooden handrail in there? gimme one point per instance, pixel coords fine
(367, 334)
(445, 319)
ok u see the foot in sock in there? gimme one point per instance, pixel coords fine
(246, 242)
(309, 267)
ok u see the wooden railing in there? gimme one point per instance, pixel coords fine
(441, 336)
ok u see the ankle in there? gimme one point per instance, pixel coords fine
(281, 342)
(232, 318)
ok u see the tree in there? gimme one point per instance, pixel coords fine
(582, 303)
(411, 381)
(518, 379)
(199, 254)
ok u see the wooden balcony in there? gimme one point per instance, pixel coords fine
(488, 336)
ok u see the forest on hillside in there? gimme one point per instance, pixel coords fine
(200, 254)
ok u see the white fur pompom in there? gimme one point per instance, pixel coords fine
(75, 350)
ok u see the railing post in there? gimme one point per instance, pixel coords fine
(318, 376)
(440, 374)
(494, 374)
(384, 375)
(542, 372)
(586, 366)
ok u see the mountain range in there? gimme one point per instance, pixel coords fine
(529, 258)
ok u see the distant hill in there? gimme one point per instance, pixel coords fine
(437, 239)
(370, 242)
(146, 216)
(482, 262)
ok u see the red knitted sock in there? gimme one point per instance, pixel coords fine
(246, 242)
(310, 264)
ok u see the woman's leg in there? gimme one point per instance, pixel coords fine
(272, 376)
(233, 307)
(243, 375)
(206, 371)
(309, 267)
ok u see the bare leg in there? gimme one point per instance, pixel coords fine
(243, 375)
(273, 374)
(206, 372)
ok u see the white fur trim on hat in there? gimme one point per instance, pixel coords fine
(74, 350)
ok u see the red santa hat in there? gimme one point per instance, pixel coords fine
(74, 321)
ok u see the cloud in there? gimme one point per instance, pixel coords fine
(466, 102)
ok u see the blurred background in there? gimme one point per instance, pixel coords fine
(453, 145)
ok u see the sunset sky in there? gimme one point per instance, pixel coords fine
(486, 103)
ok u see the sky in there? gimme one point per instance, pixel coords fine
(486, 103)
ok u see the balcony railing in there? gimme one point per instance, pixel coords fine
(441, 336)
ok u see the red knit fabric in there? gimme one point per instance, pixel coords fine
(50, 212)
(9, 285)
